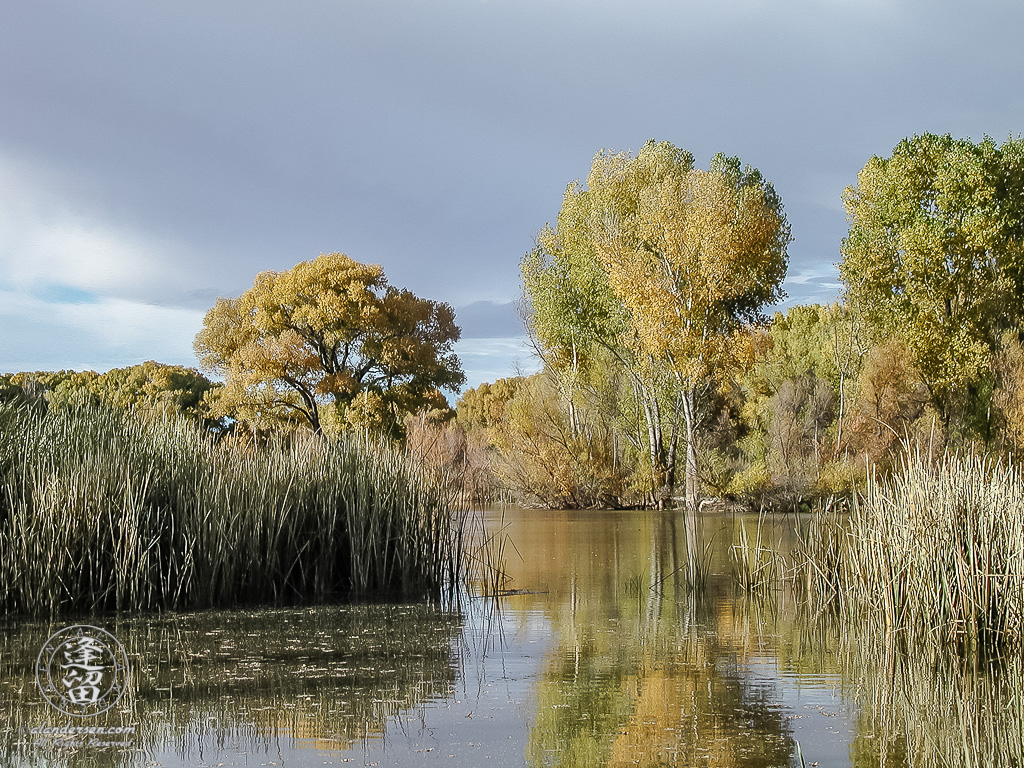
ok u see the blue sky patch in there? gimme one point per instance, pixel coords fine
(65, 294)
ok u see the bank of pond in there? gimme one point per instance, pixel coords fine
(582, 638)
(101, 510)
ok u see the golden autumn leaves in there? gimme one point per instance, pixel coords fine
(329, 339)
(688, 253)
(655, 269)
(660, 264)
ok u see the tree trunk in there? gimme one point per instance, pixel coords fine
(690, 419)
(313, 416)
(670, 461)
(311, 411)
(656, 446)
(692, 486)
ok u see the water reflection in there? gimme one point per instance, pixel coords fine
(240, 682)
(603, 658)
(922, 707)
(645, 672)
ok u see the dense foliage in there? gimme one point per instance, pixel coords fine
(649, 272)
(330, 339)
(643, 301)
(99, 510)
(148, 387)
(935, 257)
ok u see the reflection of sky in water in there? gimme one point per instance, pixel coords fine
(590, 666)
(821, 721)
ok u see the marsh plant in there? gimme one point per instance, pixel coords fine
(756, 560)
(103, 510)
(935, 551)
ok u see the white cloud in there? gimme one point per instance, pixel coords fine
(89, 257)
(46, 240)
(77, 291)
(488, 359)
(109, 333)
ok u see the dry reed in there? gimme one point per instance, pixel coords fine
(935, 551)
(99, 510)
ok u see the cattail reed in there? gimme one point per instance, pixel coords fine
(756, 562)
(101, 510)
(936, 552)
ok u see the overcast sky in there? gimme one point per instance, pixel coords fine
(156, 155)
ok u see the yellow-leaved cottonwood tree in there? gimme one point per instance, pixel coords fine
(669, 258)
(330, 333)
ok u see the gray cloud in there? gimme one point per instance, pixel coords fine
(489, 319)
(191, 145)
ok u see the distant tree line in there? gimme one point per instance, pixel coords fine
(148, 387)
(644, 302)
(328, 346)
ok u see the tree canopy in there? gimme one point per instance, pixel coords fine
(689, 253)
(659, 262)
(935, 254)
(330, 332)
(147, 386)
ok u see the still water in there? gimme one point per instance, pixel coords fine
(599, 657)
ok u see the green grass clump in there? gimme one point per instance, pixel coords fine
(100, 510)
(936, 551)
(756, 563)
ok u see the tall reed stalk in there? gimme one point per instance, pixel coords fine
(936, 551)
(756, 565)
(102, 511)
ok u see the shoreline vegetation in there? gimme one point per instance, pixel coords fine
(103, 510)
(929, 555)
(663, 381)
(932, 553)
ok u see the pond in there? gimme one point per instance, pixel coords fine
(598, 657)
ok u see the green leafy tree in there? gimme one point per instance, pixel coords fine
(795, 430)
(935, 256)
(660, 263)
(330, 334)
(156, 386)
(149, 386)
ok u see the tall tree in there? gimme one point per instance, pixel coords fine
(673, 260)
(330, 331)
(935, 256)
(578, 326)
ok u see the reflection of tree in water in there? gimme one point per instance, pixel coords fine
(683, 708)
(645, 677)
(324, 677)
